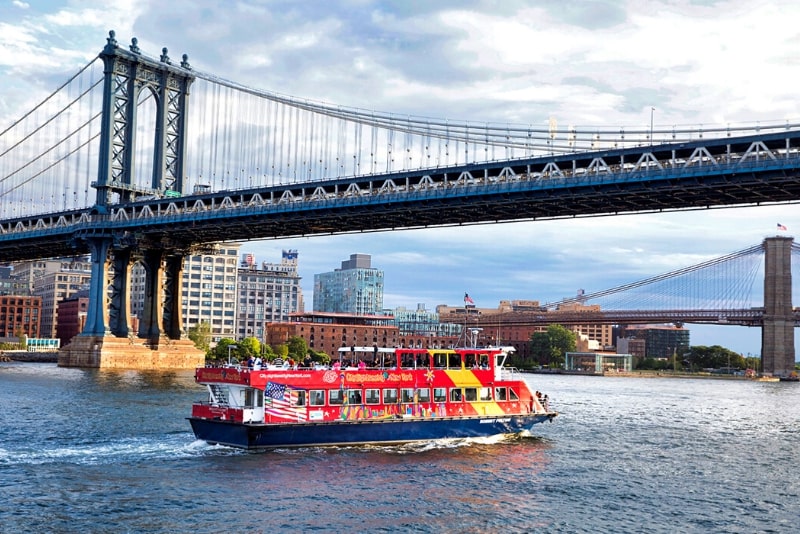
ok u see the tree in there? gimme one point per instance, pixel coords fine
(200, 334)
(249, 346)
(549, 347)
(562, 340)
(540, 348)
(298, 348)
(221, 350)
(715, 357)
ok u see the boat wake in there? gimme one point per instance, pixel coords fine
(114, 451)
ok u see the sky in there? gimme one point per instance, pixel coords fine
(584, 63)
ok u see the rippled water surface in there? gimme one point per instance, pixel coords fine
(91, 451)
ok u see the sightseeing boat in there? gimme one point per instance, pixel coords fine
(370, 395)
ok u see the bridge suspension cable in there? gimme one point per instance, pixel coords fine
(44, 158)
(722, 283)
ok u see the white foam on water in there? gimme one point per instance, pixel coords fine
(127, 449)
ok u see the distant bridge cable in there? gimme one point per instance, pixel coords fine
(754, 250)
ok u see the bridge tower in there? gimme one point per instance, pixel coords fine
(107, 339)
(777, 332)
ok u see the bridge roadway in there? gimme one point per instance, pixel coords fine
(706, 173)
(736, 317)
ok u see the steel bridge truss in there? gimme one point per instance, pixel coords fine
(749, 170)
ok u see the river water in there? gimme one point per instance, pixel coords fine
(110, 451)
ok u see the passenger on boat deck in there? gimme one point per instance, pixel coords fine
(307, 361)
(258, 363)
(250, 361)
(291, 363)
(337, 365)
(361, 365)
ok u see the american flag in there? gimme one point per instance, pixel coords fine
(468, 299)
(281, 403)
(275, 390)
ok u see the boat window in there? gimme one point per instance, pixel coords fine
(512, 395)
(455, 395)
(439, 394)
(454, 361)
(390, 396)
(440, 360)
(301, 398)
(249, 397)
(373, 396)
(486, 394)
(317, 397)
(335, 396)
(500, 394)
(470, 394)
(407, 395)
(424, 395)
(354, 396)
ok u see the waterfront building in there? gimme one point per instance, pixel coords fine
(60, 280)
(660, 341)
(20, 314)
(355, 288)
(327, 331)
(72, 316)
(422, 323)
(505, 325)
(268, 293)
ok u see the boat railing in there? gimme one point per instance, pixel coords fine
(510, 373)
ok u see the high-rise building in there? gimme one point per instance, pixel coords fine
(422, 323)
(355, 288)
(266, 294)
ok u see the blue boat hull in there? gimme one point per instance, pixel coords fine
(384, 431)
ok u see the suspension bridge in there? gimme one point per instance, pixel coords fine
(116, 163)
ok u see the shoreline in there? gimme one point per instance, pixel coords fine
(659, 374)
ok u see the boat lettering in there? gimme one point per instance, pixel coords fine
(496, 420)
(371, 377)
(219, 374)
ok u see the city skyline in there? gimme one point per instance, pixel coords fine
(601, 64)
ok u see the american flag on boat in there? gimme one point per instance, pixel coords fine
(280, 402)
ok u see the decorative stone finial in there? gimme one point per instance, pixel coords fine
(111, 42)
(185, 62)
(164, 56)
(135, 46)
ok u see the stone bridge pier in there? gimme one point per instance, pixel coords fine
(777, 331)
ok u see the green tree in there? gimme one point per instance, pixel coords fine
(200, 334)
(562, 340)
(249, 346)
(221, 350)
(297, 348)
(539, 346)
(548, 348)
(714, 357)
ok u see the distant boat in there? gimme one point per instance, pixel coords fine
(792, 377)
(370, 395)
